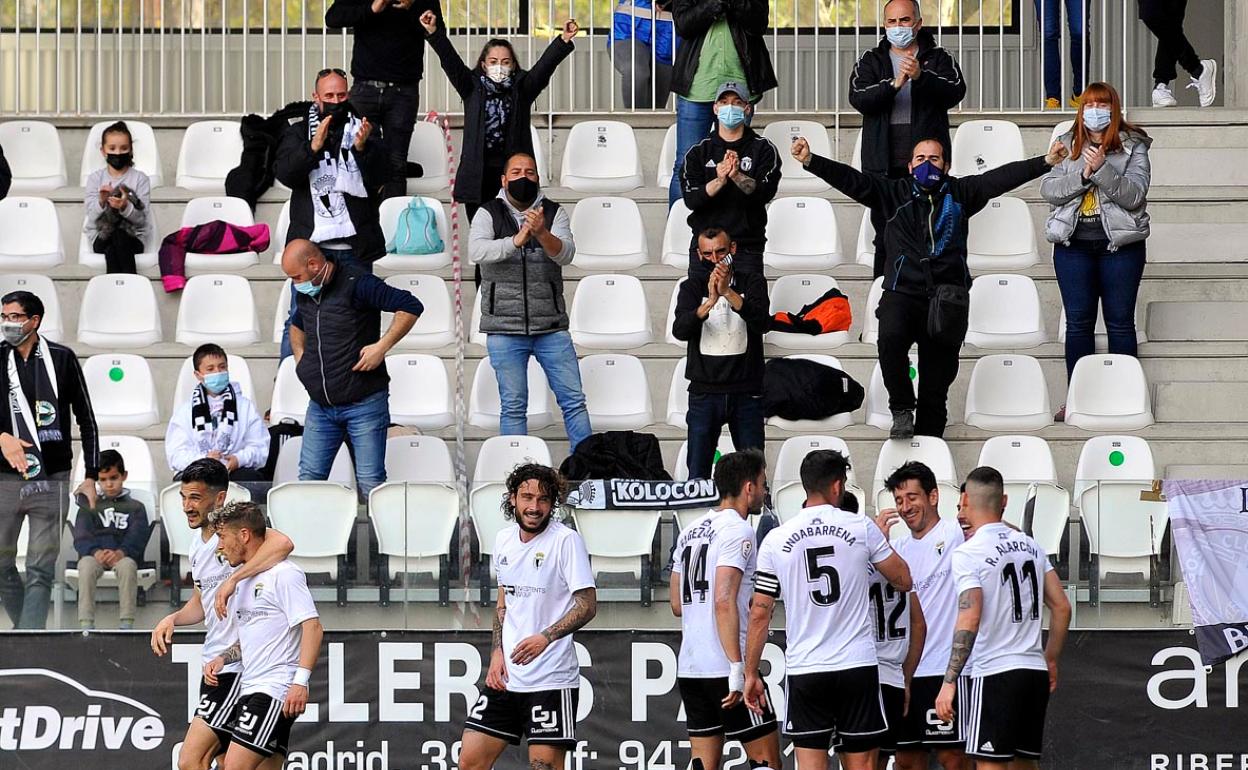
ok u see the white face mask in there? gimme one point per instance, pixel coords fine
(497, 72)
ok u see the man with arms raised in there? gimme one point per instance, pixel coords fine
(710, 593)
(204, 485)
(545, 593)
(818, 561)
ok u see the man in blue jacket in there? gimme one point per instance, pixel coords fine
(645, 66)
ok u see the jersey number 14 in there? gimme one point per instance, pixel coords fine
(693, 574)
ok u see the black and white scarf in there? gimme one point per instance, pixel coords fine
(43, 423)
(210, 434)
(497, 112)
(335, 176)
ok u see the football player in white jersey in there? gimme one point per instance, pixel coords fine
(928, 549)
(545, 593)
(1002, 576)
(279, 640)
(203, 490)
(712, 580)
(818, 562)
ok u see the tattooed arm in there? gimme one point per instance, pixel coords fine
(584, 607)
(970, 606)
(232, 654)
(496, 676)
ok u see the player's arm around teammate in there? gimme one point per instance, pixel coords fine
(276, 547)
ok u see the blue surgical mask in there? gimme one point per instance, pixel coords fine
(731, 115)
(900, 36)
(927, 175)
(309, 288)
(1096, 118)
(217, 382)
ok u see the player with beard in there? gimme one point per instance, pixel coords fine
(545, 593)
(204, 486)
(712, 579)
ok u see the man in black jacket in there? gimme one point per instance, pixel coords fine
(6, 175)
(729, 178)
(723, 315)
(904, 88)
(925, 246)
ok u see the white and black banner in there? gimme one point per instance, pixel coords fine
(627, 494)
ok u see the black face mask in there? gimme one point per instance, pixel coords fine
(522, 190)
(119, 160)
(339, 112)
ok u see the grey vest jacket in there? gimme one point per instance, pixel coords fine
(522, 294)
(1121, 188)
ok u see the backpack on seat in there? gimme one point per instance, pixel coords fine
(416, 231)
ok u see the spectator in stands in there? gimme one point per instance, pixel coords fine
(1098, 223)
(110, 535)
(217, 422)
(719, 41)
(729, 178)
(643, 41)
(387, 62)
(43, 384)
(334, 168)
(521, 240)
(341, 359)
(1049, 15)
(498, 102)
(6, 175)
(1164, 18)
(723, 315)
(117, 200)
(925, 298)
(904, 88)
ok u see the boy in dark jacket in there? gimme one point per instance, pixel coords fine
(110, 536)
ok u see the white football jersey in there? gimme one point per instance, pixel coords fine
(718, 539)
(268, 608)
(817, 561)
(930, 559)
(1009, 567)
(538, 579)
(890, 622)
(209, 570)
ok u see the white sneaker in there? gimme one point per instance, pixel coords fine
(1163, 96)
(1207, 84)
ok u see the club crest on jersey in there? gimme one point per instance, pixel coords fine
(746, 548)
(255, 592)
(538, 559)
(747, 163)
(940, 548)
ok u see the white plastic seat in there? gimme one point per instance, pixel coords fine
(220, 309)
(1005, 313)
(1113, 458)
(870, 324)
(210, 150)
(389, 213)
(240, 372)
(414, 523)
(678, 396)
(142, 145)
(1050, 512)
(144, 262)
(932, 452)
(1001, 237)
(790, 293)
(982, 145)
(668, 337)
(30, 234)
(610, 312)
(290, 399)
(278, 241)
(1060, 130)
(436, 326)
(499, 455)
(420, 392)
(1020, 458)
(619, 541)
(855, 158)
(173, 522)
(41, 286)
(1124, 532)
(1108, 392)
(1026, 465)
(199, 211)
(875, 403)
(318, 516)
(609, 234)
(601, 156)
(864, 248)
(1100, 333)
(617, 392)
(36, 159)
(680, 470)
(788, 495)
(667, 158)
(484, 405)
(119, 311)
(539, 153)
(428, 148)
(677, 236)
(794, 178)
(419, 459)
(838, 421)
(282, 311)
(1008, 393)
(123, 393)
(342, 471)
(475, 335)
(802, 235)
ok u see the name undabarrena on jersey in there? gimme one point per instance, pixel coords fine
(818, 529)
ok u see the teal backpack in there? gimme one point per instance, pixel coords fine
(416, 231)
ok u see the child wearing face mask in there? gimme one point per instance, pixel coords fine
(118, 199)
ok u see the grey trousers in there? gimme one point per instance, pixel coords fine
(644, 82)
(44, 504)
(89, 572)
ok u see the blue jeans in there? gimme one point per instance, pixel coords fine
(27, 603)
(1089, 274)
(693, 122)
(340, 257)
(1049, 14)
(708, 414)
(509, 355)
(364, 423)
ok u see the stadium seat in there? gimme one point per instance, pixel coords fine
(875, 403)
(483, 401)
(419, 459)
(142, 145)
(667, 158)
(680, 470)
(282, 311)
(668, 337)
(601, 156)
(389, 213)
(870, 324)
(428, 148)
(233, 210)
(864, 249)
(1124, 532)
(36, 159)
(278, 241)
(319, 516)
(1026, 465)
(240, 372)
(1008, 393)
(677, 236)
(610, 312)
(1001, 237)
(1048, 506)
(855, 158)
(982, 145)
(1113, 458)
(609, 234)
(210, 150)
(475, 335)
(119, 312)
(287, 468)
(1108, 393)
(932, 452)
(1005, 313)
(220, 309)
(414, 523)
(794, 179)
(539, 155)
(498, 457)
(290, 398)
(51, 327)
(1100, 332)
(621, 541)
(1059, 131)
(790, 293)
(144, 261)
(678, 396)
(617, 392)
(420, 393)
(802, 235)
(123, 393)
(788, 495)
(180, 536)
(436, 326)
(1020, 458)
(838, 421)
(30, 234)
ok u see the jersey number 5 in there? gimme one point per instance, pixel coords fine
(1009, 574)
(693, 574)
(828, 589)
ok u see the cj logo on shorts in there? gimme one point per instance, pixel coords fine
(546, 720)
